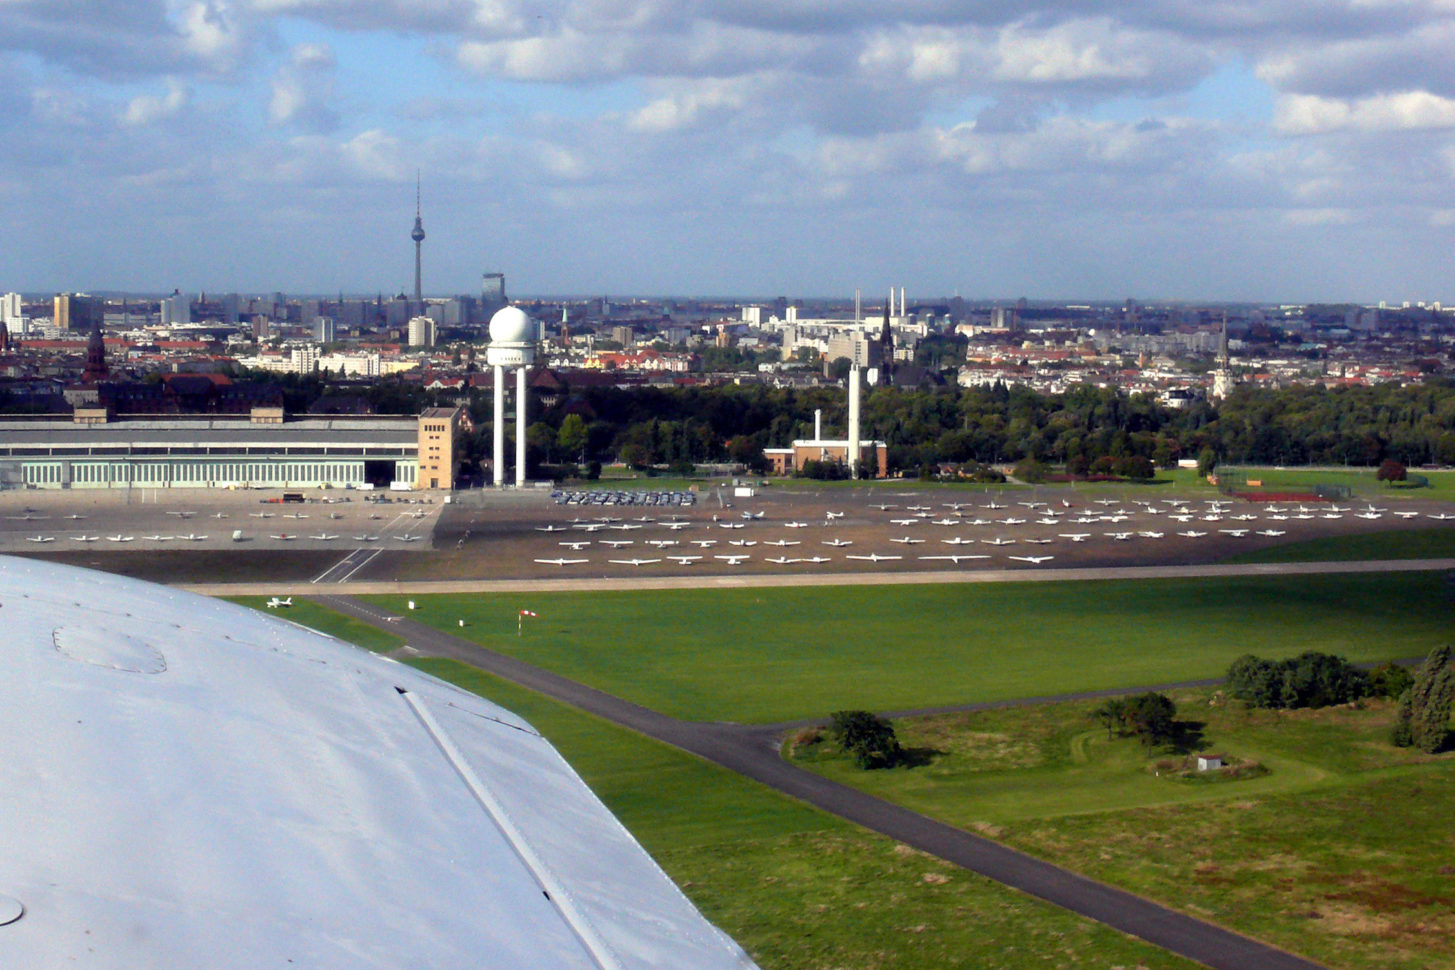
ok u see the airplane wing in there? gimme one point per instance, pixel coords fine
(174, 798)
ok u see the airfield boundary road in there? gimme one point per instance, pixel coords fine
(753, 753)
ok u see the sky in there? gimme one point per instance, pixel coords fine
(1291, 151)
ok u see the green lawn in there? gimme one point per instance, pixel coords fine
(801, 890)
(1342, 851)
(1432, 543)
(325, 620)
(769, 655)
(1360, 480)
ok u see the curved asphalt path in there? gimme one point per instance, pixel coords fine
(753, 752)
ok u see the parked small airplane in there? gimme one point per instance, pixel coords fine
(781, 543)
(550, 528)
(366, 538)
(795, 525)
(904, 521)
(40, 538)
(1033, 560)
(624, 527)
(816, 560)
(410, 538)
(634, 562)
(752, 515)
(275, 602)
(833, 515)
(1270, 532)
(663, 543)
(1406, 515)
(1120, 536)
(182, 515)
(617, 543)
(782, 560)
(85, 538)
(1151, 535)
(289, 515)
(576, 546)
(703, 543)
(992, 504)
(906, 541)
(733, 560)
(954, 558)
(119, 538)
(1015, 521)
(674, 526)
(1191, 534)
(729, 525)
(950, 522)
(742, 542)
(75, 517)
(1439, 516)
(285, 537)
(685, 560)
(1076, 536)
(998, 541)
(261, 515)
(1360, 515)
(884, 508)
(958, 541)
(561, 562)
(193, 537)
(874, 557)
(1038, 542)
(1235, 533)
(837, 542)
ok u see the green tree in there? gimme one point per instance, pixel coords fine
(1111, 715)
(571, 437)
(1390, 471)
(868, 737)
(1207, 460)
(1151, 717)
(1423, 720)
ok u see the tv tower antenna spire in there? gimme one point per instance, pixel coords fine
(418, 236)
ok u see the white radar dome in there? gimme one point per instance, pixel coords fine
(511, 325)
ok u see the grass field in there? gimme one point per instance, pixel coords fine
(1341, 852)
(327, 621)
(770, 655)
(801, 890)
(1434, 543)
(1359, 480)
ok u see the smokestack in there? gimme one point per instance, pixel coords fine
(853, 451)
(817, 424)
(902, 309)
(858, 305)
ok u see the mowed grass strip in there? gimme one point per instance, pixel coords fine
(771, 655)
(799, 889)
(321, 618)
(1432, 543)
(1342, 851)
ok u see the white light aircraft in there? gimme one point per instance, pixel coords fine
(1192, 534)
(752, 515)
(561, 562)
(781, 560)
(781, 543)
(550, 528)
(275, 602)
(906, 541)
(40, 538)
(874, 557)
(954, 558)
(703, 543)
(85, 538)
(904, 521)
(575, 546)
(1120, 536)
(634, 562)
(1038, 542)
(685, 560)
(1270, 532)
(733, 560)
(1033, 560)
(624, 527)
(742, 542)
(283, 536)
(998, 541)
(618, 543)
(119, 538)
(958, 541)
(795, 525)
(366, 538)
(1235, 533)
(1076, 536)
(410, 538)
(837, 542)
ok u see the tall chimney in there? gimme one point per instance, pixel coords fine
(818, 424)
(853, 451)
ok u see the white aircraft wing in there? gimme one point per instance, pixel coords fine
(189, 783)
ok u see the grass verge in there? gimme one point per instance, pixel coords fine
(1433, 543)
(321, 618)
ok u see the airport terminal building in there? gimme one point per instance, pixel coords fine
(261, 449)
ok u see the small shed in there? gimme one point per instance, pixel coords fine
(1209, 762)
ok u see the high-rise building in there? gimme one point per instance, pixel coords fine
(77, 311)
(492, 294)
(176, 309)
(421, 332)
(324, 330)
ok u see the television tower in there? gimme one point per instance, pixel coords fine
(418, 236)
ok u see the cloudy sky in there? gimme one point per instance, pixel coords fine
(1283, 150)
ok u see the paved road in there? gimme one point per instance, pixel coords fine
(753, 752)
(1079, 574)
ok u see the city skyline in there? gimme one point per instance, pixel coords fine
(1256, 152)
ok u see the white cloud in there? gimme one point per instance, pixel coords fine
(687, 108)
(301, 90)
(1308, 114)
(144, 109)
